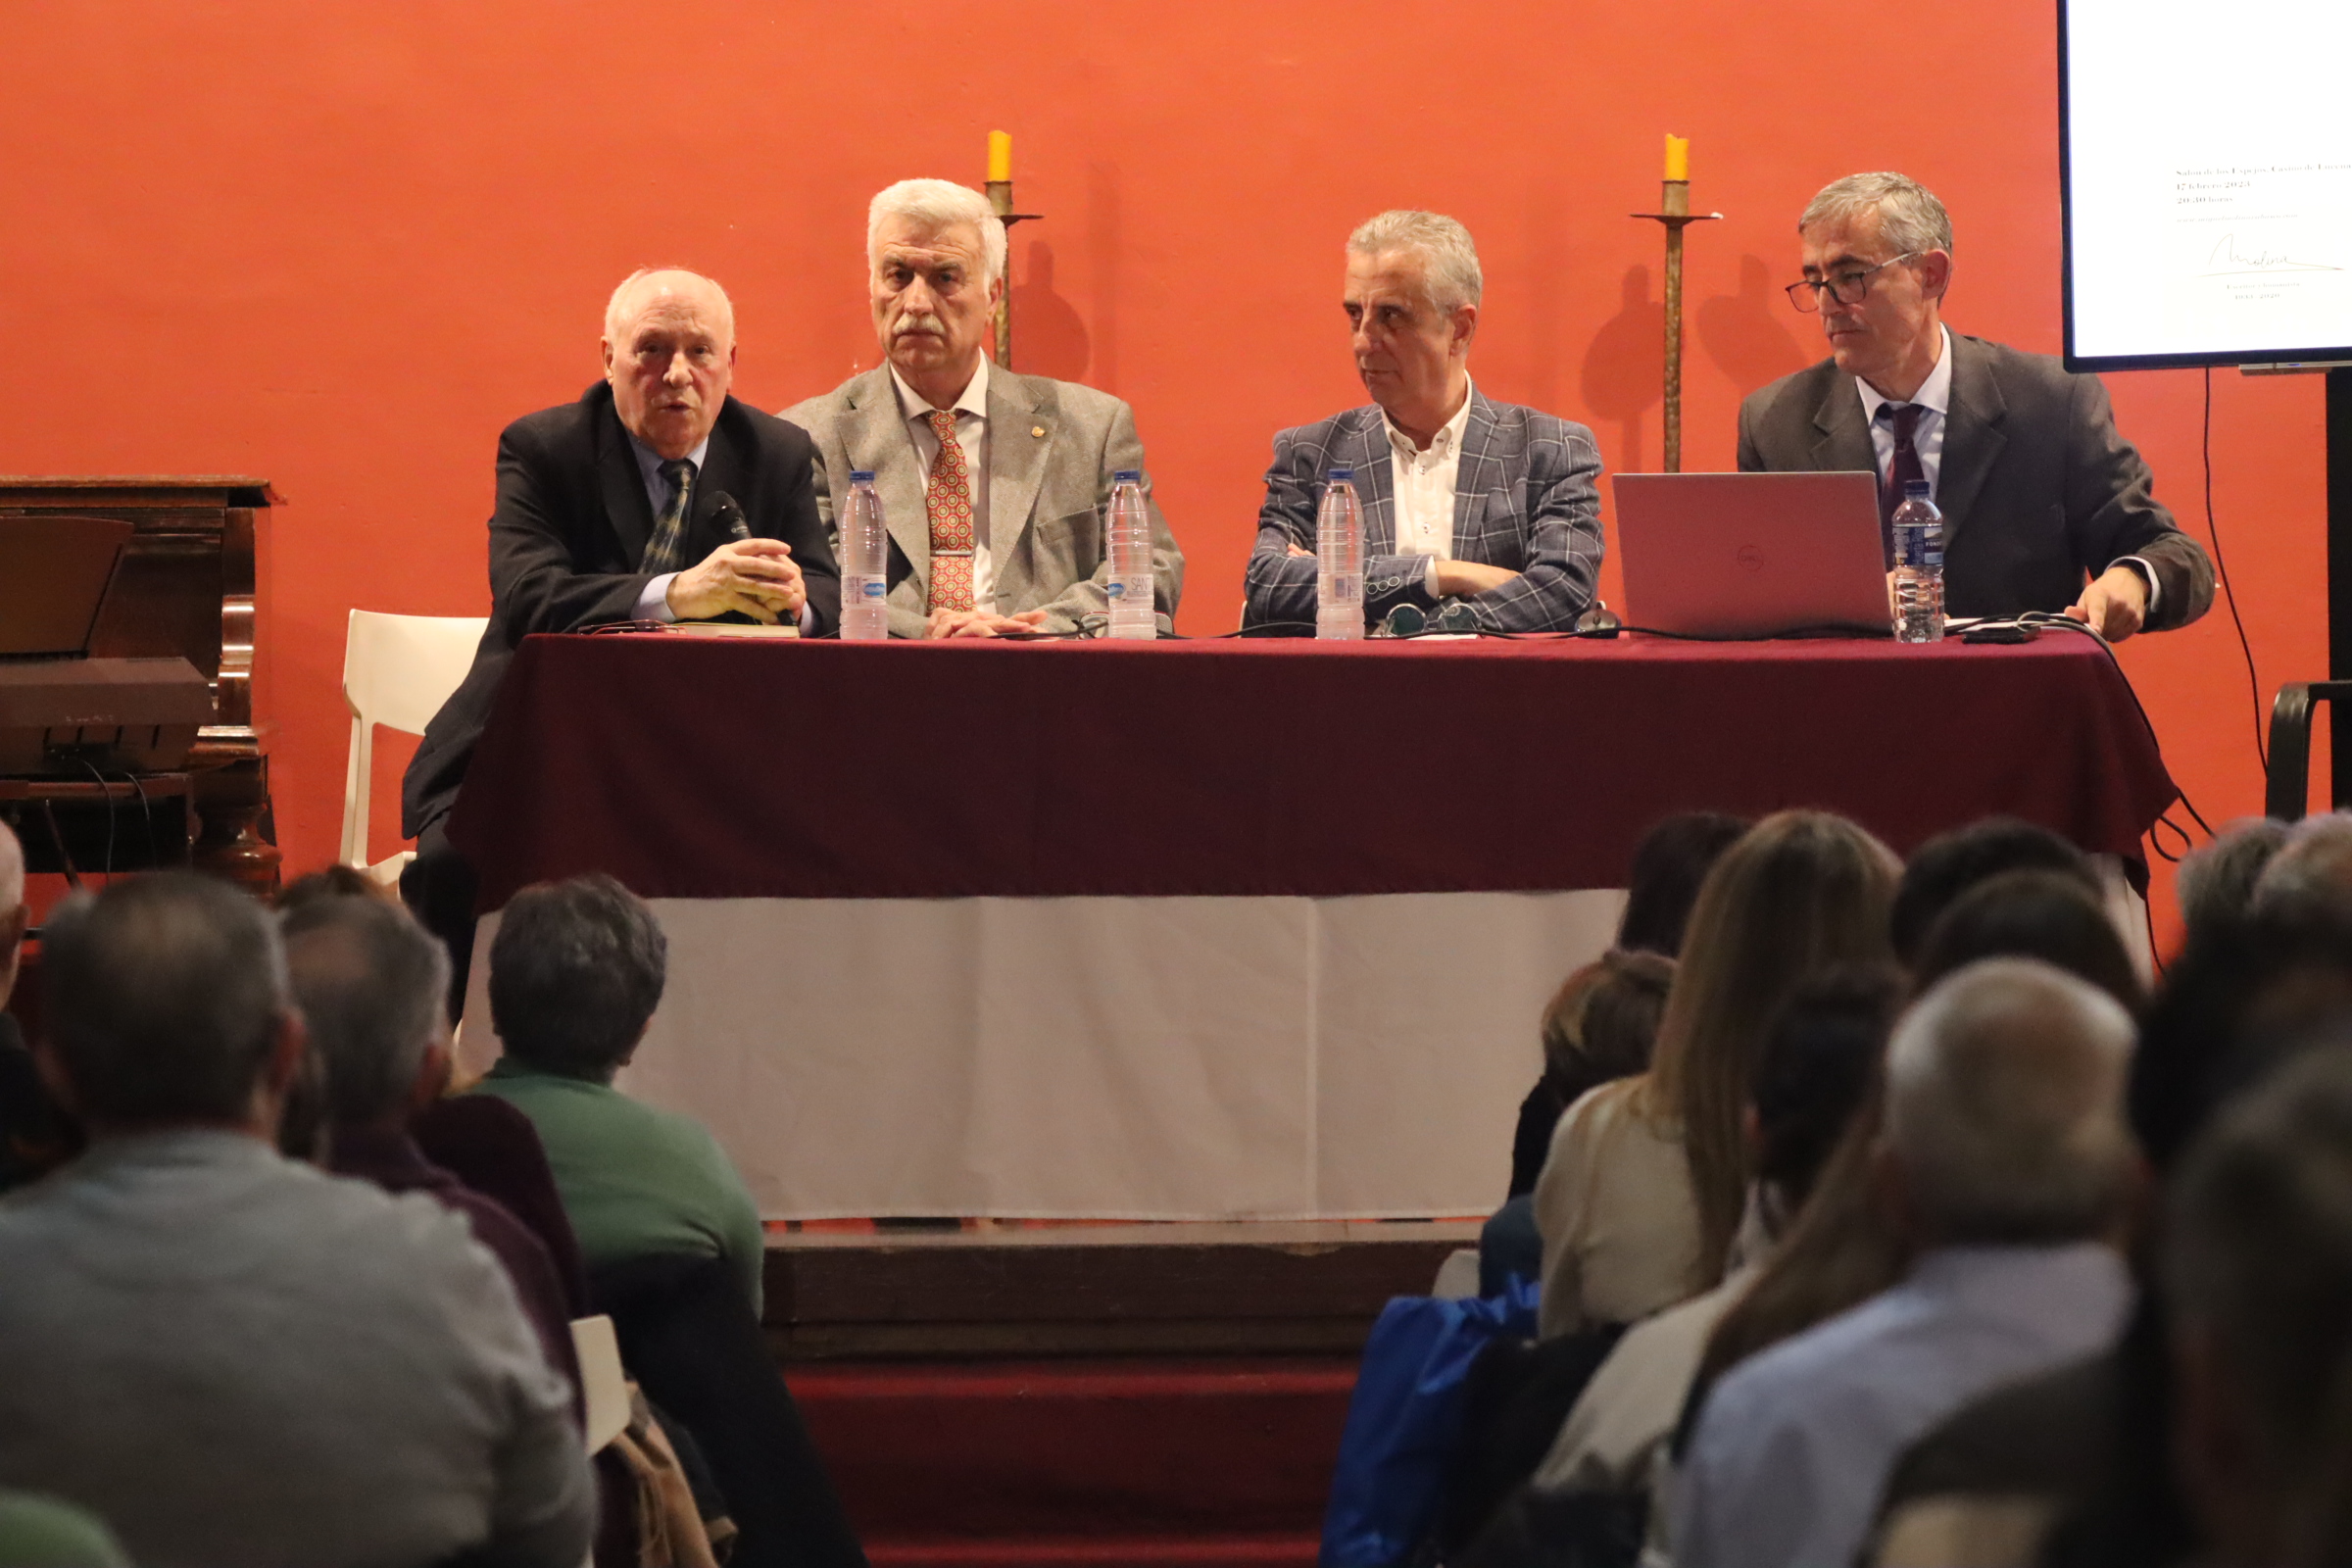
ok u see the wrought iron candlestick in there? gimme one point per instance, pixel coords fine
(1000, 199)
(1674, 200)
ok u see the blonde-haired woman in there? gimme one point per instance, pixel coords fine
(1640, 1199)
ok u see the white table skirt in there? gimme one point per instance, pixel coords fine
(1116, 1058)
(1128, 1058)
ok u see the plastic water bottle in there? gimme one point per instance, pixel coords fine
(1127, 540)
(1340, 559)
(1918, 567)
(864, 562)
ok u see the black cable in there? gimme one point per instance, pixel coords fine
(2220, 570)
(2045, 618)
(106, 804)
(147, 812)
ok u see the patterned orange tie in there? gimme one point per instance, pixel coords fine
(949, 503)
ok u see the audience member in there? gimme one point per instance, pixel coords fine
(231, 1359)
(2216, 880)
(2007, 1158)
(371, 985)
(1641, 1195)
(331, 882)
(2031, 914)
(494, 1149)
(672, 1242)
(37, 1532)
(1600, 1027)
(1817, 1063)
(2258, 1278)
(2075, 1467)
(2312, 865)
(1669, 864)
(36, 1135)
(1951, 863)
(576, 970)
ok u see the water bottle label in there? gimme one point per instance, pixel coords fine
(873, 588)
(1118, 589)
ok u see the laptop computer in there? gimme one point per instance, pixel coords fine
(54, 573)
(1752, 555)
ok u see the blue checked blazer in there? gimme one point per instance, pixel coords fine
(1525, 498)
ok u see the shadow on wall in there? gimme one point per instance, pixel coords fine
(1746, 335)
(1104, 236)
(1749, 334)
(1624, 365)
(1048, 336)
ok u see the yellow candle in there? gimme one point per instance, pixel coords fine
(999, 155)
(1678, 156)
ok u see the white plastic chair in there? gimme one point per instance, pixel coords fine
(397, 672)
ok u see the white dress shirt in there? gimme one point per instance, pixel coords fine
(1425, 486)
(1935, 401)
(971, 434)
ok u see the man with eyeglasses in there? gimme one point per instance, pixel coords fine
(2045, 507)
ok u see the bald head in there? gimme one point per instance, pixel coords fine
(13, 913)
(11, 871)
(669, 355)
(2004, 1105)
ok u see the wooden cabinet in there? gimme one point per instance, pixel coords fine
(185, 587)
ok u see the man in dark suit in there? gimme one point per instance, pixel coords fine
(1465, 499)
(2044, 506)
(614, 509)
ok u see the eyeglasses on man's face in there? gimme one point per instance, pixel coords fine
(1847, 287)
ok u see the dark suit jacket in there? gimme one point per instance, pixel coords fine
(570, 525)
(1526, 496)
(2037, 490)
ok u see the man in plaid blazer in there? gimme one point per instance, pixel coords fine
(1465, 499)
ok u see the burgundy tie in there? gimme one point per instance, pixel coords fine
(1904, 469)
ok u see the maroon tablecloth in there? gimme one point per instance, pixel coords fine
(693, 767)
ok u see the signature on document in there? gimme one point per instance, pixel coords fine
(2231, 259)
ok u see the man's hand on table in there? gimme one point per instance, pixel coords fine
(981, 622)
(2115, 605)
(754, 576)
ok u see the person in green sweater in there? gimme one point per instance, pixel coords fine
(576, 972)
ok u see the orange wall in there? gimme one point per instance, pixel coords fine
(341, 244)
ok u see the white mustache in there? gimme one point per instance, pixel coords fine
(925, 326)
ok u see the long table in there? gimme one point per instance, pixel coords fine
(1197, 929)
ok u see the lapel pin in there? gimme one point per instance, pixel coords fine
(1038, 430)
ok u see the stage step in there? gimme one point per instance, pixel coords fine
(1267, 1288)
(1223, 1461)
(1116, 1552)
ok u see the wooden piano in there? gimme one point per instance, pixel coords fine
(184, 587)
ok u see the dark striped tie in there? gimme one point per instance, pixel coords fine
(665, 550)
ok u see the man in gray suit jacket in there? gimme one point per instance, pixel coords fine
(2044, 506)
(1465, 499)
(993, 484)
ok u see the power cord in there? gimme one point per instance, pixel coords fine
(2220, 570)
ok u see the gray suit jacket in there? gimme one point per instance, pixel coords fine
(1525, 497)
(2037, 490)
(1053, 448)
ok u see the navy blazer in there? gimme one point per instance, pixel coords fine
(570, 526)
(1526, 496)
